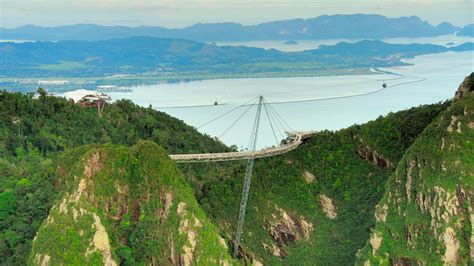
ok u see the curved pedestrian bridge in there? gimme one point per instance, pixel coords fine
(295, 139)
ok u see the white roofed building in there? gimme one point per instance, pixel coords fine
(77, 95)
(89, 98)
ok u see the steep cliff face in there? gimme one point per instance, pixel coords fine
(125, 206)
(426, 216)
(465, 87)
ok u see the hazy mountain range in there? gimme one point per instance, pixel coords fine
(357, 26)
(467, 31)
(137, 55)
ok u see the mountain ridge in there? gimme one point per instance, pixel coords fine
(138, 55)
(125, 206)
(468, 31)
(426, 214)
(351, 26)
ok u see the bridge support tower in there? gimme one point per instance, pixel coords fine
(247, 179)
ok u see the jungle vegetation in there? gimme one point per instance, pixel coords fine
(35, 133)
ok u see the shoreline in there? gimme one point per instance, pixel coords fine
(131, 82)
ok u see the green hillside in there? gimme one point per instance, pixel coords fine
(96, 190)
(125, 206)
(33, 132)
(426, 214)
(53, 124)
(315, 204)
(159, 58)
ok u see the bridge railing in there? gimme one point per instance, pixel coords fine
(241, 155)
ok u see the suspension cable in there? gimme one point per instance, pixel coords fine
(279, 118)
(237, 120)
(270, 122)
(226, 113)
(276, 118)
(280, 130)
(279, 122)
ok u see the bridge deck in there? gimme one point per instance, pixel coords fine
(241, 155)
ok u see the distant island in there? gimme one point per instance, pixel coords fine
(355, 26)
(128, 62)
(291, 42)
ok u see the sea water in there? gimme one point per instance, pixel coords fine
(305, 103)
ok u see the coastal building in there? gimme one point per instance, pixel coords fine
(88, 98)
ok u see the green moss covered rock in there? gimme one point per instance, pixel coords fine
(426, 216)
(125, 206)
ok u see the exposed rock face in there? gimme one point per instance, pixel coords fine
(309, 177)
(370, 155)
(426, 215)
(42, 260)
(72, 205)
(187, 226)
(328, 206)
(274, 250)
(93, 165)
(381, 212)
(286, 228)
(451, 255)
(453, 125)
(102, 202)
(246, 256)
(166, 200)
(101, 242)
(375, 241)
(408, 184)
(471, 125)
(466, 86)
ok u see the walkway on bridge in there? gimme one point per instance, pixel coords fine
(239, 155)
(293, 140)
(296, 138)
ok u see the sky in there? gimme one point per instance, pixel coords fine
(181, 13)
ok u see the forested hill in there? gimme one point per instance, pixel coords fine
(426, 214)
(315, 205)
(150, 56)
(34, 132)
(356, 26)
(37, 136)
(51, 124)
(125, 206)
(123, 201)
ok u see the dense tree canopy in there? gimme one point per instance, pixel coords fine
(34, 131)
